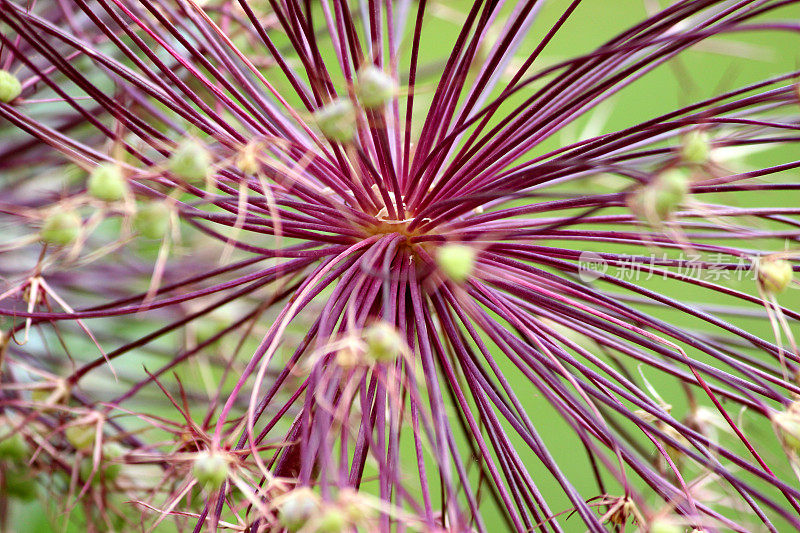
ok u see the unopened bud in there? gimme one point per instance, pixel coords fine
(657, 200)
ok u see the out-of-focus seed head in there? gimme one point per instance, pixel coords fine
(696, 148)
(297, 508)
(384, 344)
(337, 120)
(10, 87)
(774, 275)
(190, 161)
(210, 469)
(14, 448)
(656, 201)
(81, 436)
(61, 228)
(107, 183)
(374, 87)
(152, 220)
(456, 261)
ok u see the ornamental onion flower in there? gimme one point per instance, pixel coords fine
(398, 273)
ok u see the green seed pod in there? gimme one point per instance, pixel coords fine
(20, 485)
(210, 469)
(775, 275)
(384, 344)
(81, 436)
(337, 120)
(456, 261)
(696, 148)
(190, 161)
(374, 87)
(788, 424)
(10, 87)
(152, 220)
(111, 451)
(61, 228)
(657, 200)
(297, 508)
(333, 520)
(107, 183)
(14, 448)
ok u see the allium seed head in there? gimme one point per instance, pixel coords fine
(456, 261)
(190, 161)
(210, 469)
(152, 220)
(297, 508)
(696, 148)
(384, 344)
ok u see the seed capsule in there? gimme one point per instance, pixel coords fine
(775, 275)
(333, 520)
(14, 448)
(788, 424)
(456, 261)
(384, 344)
(111, 451)
(10, 87)
(657, 200)
(190, 161)
(81, 437)
(297, 508)
(210, 469)
(337, 120)
(152, 220)
(61, 228)
(696, 148)
(107, 183)
(374, 87)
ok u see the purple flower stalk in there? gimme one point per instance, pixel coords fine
(292, 276)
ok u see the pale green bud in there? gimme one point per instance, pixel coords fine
(337, 120)
(10, 87)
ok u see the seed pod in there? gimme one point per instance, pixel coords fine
(775, 275)
(107, 183)
(61, 228)
(81, 436)
(374, 87)
(152, 220)
(190, 161)
(297, 508)
(663, 526)
(337, 120)
(210, 469)
(788, 424)
(657, 200)
(20, 484)
(384, 344)
(456, 261)
(10, 87)
(696, 148)
(111, 451)
(333, 520)
(14, 448)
